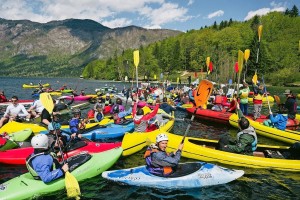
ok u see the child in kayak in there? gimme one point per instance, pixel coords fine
(159, 162)
(246, 140)
(43, 165)
(76, 124)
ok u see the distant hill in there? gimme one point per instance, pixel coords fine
(63, 48)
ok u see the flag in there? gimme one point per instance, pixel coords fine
(211, 67)
(177, 80)
(195, 74)
(236, 67)
(154, 76)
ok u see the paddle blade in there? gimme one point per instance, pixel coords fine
(177, 80)
(247, 54)
(136, 58)
(154, 76)
(203, 92)
(254, 78)
(240, 61)
(207, 61)
(47, 101)
(236, 67)
(72, 185)
(259, 32)
(277, 99)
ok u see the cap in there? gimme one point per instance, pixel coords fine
(287, 91)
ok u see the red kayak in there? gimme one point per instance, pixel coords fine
(18, 156)
(211, 115)
(20, 101)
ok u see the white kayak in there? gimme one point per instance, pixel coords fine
(187, 175)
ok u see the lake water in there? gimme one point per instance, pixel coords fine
(255, 184)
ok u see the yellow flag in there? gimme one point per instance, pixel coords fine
(154, 76)
(259, 32)
(254, 78)
(177, 79)
(247, 54)
(136, 58)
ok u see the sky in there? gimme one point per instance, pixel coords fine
(179, 15)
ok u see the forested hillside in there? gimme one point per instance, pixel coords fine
(279, 52)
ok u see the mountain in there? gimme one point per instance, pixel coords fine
(63, 48)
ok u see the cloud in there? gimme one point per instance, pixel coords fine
(120, 22)
(263, 11)
(154, 13)
(168, 12)
(190, 2)
(218, 13)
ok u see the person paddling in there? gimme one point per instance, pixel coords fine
(158, 161)
(42, 164)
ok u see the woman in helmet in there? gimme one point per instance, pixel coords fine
(118, 107)
(159, 162)
(42, 164)
(77, 124)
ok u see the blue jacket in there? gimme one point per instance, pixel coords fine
(191, 96)
(43, 165)
(279, 121)
(74, 125)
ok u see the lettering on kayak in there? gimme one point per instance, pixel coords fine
(131, 178)
(3, 187)
(205, 176)
(100, 132)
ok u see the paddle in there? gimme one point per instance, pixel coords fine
(207, 66)
(204, 90)
(136, 60)
(71, 183)
(246, 57)
(259, 36)
(254, 78)
(240, 63)
(265, 88)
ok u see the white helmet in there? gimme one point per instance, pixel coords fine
(39, 141)
(161, 137)
(107, 94)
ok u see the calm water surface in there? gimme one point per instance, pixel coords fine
(255, 184)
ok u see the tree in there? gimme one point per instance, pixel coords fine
(215, 26)
(294, 11)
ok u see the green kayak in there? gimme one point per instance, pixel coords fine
(24, 186)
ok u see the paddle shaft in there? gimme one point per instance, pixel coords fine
(266, 93)
(58, 143)
(189, 126)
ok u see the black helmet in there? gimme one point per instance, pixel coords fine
(244, 123)
(119, 101)
(77, 111)
(116, 109)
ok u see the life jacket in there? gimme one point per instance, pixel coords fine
(30, 158)
(156, 170)
(258, 97)
(91, 114)
(250, 130)
(218, 99)
(244, 95)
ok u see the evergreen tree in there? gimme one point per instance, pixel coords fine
(230, 22)
(287, 12)
(294, 12)
(215, 25)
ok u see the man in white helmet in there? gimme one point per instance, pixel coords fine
(42, 164)
(159, 162)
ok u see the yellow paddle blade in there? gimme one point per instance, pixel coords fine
(136, 58)
(203, 92)
(240, 61)
(207, 61)
(259, 32)
(254, 78)
(72, 185)
(177, 80)
(247, 54)
(154, 76)
(47, 101)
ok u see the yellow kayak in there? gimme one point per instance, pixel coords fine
(204, 150)
(35, 86)
(136, 141)
(288, 136)
(55, 93)
(13, 126)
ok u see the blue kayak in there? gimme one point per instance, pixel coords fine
(187, 175)
(103, 132)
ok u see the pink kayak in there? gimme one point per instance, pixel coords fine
(77, 98)
(18, 156)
